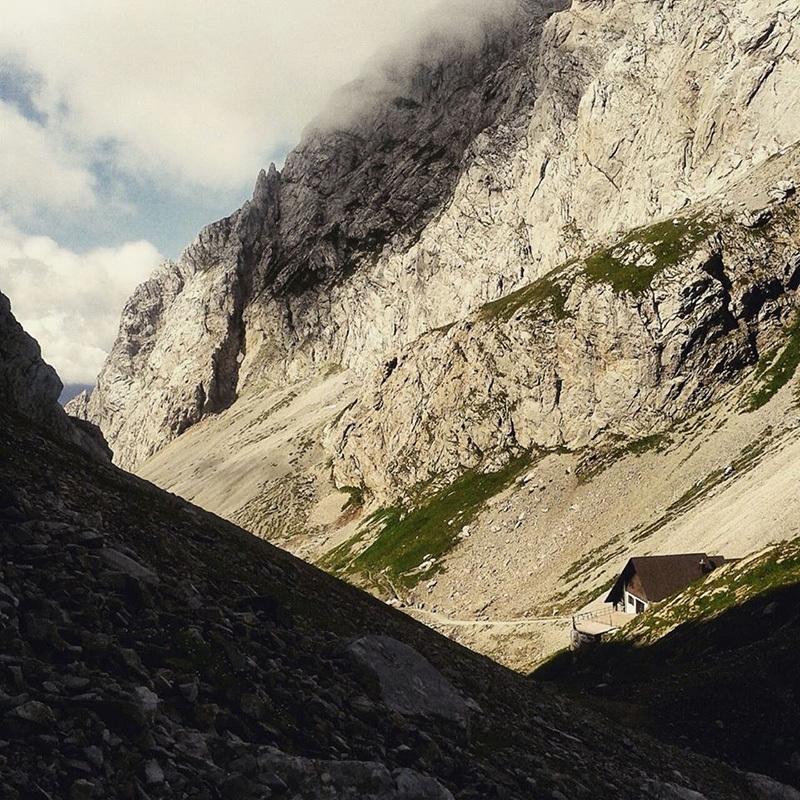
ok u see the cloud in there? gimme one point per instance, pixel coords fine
(452, 29)
(37, 169)
(197, 91)
(69, 302)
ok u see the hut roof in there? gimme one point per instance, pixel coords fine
(662, 576)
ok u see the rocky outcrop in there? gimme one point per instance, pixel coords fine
(448, 185)
(30, 387)
(408, 683)
(624, 342)
(176, 355)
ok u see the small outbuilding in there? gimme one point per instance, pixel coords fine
(650, 579)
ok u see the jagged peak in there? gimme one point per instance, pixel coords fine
(266, 188)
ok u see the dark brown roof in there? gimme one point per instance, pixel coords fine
(662, 576)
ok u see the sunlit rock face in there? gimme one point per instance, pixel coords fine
(454, 174)
(624, 342)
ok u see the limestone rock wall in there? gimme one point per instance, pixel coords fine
(177, 353)
(452, 184)
(584, 352)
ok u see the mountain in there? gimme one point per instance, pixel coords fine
(449, 183)
(251, 293)
(521, 302)
(625, 341)
(151, 649)
(30, 388)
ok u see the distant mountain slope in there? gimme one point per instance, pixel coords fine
(713, 668)
(602, 358)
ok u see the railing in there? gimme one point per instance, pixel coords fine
(598, 615)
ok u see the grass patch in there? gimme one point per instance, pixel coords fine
(544, 292)
(776, 370)
(409, 544)
(330, 368)
(631, 265)
(355, 498)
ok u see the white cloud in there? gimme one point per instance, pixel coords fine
(37, 170)
(71, 303)
(199, 91)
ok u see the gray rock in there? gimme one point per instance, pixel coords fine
(128, 565)
(409, 684)
(147, 701)
(767, 788)
(413, 786)
(314, 779)
(658, 790)
(153, 772)
(94, 755)
(189, 689)
(34, 713)
(755, 218)
(83, 789)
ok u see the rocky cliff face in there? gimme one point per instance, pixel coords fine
(253, 288)
(176, 355)
(624, 342)
(30, 388)
(450, 185)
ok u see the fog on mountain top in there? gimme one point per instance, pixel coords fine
(453, 27)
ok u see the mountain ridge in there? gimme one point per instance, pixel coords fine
(527, 197)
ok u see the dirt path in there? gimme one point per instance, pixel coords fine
(519, 643)
(434, 617)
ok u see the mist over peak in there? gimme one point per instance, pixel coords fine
(450, 38)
